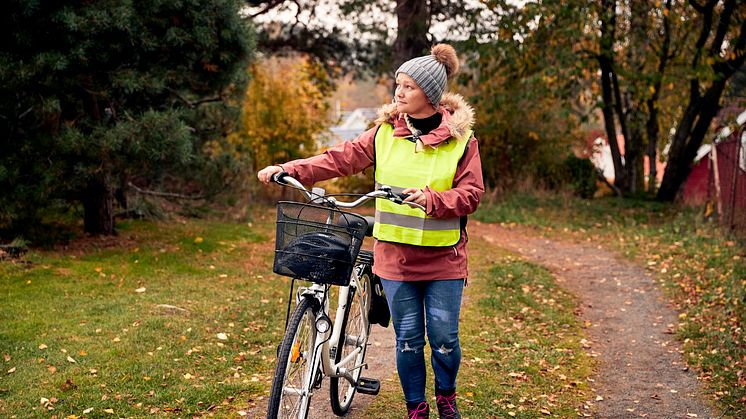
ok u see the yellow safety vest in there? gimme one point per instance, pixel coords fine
(398, 166)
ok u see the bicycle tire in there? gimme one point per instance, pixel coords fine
(295, 364)
(341, 392)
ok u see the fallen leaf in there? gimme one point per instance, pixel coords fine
(12, 370)
(545, 411)
(70, 359)
(42, 346)
(89, 410)
(222, 336)
(198, 240)
(6, 357)
(110, 411)
(52, 369)
(68, 385)
(140, 290)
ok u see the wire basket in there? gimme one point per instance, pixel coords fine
(317, 243)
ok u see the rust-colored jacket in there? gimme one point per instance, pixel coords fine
(397, 261)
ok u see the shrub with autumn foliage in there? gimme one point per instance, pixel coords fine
(284, 112)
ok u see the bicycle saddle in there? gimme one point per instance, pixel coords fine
(370, 220)
(355, 223)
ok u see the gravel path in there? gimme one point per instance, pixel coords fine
(641, 370)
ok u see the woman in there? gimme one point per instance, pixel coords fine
(422, 145)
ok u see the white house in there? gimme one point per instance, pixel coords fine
(352, 124)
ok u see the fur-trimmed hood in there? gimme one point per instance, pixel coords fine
(458, 119)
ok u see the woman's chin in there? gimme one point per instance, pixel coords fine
(401, 107)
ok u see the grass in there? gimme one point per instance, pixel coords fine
(183, 318)
(521, 343)
(176, 317)
(701, 268)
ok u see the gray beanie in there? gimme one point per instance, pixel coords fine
(431, 72)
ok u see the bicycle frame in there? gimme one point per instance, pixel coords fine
(331, 337)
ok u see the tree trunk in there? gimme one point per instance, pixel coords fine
(652, 151)
(639, 166)
(624, 182)
(605, 61)
(651, 125)
(98, 208)
(702, 109)
(633, 161)
(413, 20)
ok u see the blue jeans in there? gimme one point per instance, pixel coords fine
(413, 306)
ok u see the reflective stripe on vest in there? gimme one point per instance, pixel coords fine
(398, 166)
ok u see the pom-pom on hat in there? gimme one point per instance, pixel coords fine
(431, 72)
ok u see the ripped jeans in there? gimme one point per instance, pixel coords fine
(413, 305)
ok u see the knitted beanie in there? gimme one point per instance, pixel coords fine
(431, 72)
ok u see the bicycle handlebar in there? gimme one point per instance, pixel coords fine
(284, 179)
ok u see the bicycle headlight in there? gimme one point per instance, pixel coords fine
(323, 324)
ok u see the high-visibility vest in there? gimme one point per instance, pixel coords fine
(398, 166)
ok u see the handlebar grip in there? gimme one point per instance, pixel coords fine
(400, 197)
(279, 177)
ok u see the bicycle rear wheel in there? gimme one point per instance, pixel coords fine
(296, 366)
(355, 331)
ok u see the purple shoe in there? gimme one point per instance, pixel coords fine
(422, 411)
(447, 408)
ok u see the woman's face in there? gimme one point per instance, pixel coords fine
(410, 99)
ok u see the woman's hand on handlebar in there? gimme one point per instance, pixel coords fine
(415, 196)
(265, 175)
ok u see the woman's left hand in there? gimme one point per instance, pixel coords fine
(416, 196)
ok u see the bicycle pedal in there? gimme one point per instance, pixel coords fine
(368, 386)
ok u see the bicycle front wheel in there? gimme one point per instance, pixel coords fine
(291, 388)
(354, 337)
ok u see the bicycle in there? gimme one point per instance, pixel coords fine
(318, 242)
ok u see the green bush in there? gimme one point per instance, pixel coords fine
(582, 175)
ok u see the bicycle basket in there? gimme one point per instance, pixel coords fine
(317, 243)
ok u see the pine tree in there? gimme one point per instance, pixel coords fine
(93, 93)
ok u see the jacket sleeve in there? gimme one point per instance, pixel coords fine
(468, 188)
(343, 159)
